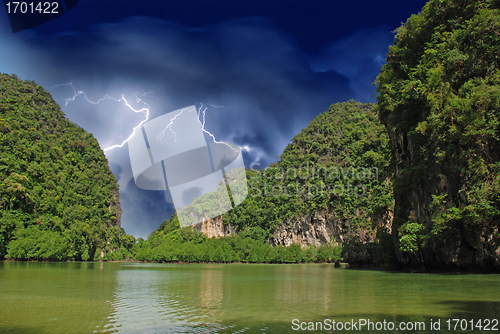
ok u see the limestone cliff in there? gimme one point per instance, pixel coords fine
(325, 227)
(318, 228)
(332, 185)
(58, 197)
(438, 96)
(215, 228)
(459, 246)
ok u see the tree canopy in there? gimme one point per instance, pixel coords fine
(340, 162)
(58, 197)
(439, 96)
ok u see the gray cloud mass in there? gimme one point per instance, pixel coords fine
(259, 87)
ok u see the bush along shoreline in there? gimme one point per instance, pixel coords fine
(171, 243)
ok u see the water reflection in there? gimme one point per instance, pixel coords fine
(211, 290)
(303, 285)
(53, 297)
(209, 298)
(159, 299)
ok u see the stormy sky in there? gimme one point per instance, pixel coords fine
(263, 70)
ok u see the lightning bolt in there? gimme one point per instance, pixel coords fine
(170, 126)
(78, 93)
(145, 109)
(201, 112)
(122, 99)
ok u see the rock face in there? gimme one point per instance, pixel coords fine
(215, 228)
(459, 248)
(324, 227)
(318, 228)
(445, 136)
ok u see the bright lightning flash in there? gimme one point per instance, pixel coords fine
(202, 111)
(145, 110)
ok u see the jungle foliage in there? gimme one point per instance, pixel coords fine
(58, 198)
(171, 243)
(439, 96)
(339, 163)
(436, 124)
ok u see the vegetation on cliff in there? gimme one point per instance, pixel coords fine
(339, 162)
(58, 198)
(171, 243)
(434, 136)
(439, 96)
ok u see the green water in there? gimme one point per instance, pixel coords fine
(235, 298)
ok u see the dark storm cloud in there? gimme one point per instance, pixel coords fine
(358, 57)
(143, 210)
(260, 76)
(247, 64)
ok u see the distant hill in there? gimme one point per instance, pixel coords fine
(58, 197)
(339, 162)
(331, 186)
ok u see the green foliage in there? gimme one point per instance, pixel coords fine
(59, 201)
(343, 148)
(36, 244)
(411, 237)
(439, 96)
(442, 216)
(170, 225)
(340, 161)
(250, 246)
(58, 198)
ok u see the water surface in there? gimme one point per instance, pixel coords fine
(232, 298)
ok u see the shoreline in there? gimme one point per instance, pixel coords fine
(343, 265)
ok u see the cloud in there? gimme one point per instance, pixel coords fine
(257, 72)
(143, 210)
(358, 57)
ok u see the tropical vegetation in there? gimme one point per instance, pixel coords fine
(58, 198)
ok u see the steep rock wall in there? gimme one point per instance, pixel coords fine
(215, 228)
(438, 97)
(324, 227)
(318, 228)
(459, 248)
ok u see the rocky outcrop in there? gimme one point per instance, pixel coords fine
(445, 137)
(324, 227)
(215, 228)
(318, 228)
(461, 246)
